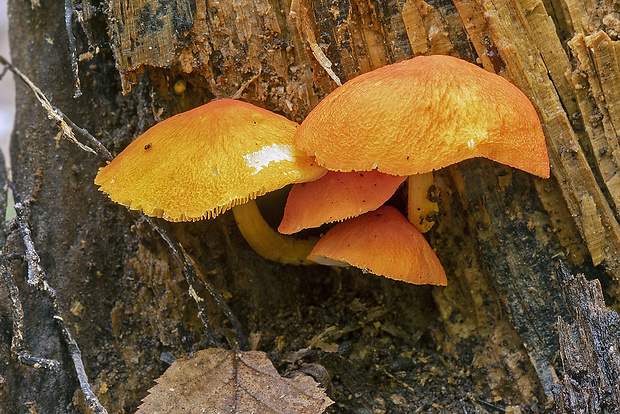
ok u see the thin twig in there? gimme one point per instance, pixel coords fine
(76, 356)
(244, 344)
(66, 125)
(490, 405)
(243, 87)
(72, 52)
(192, 276)
(299, 14)
(38, 280)
(5, 69)
(103, 151)
(35, 271)
(189, 273)
(4, 195)
(17, 312)
(17, 343)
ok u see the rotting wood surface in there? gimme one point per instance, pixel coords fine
(486, 340)
(589, 347)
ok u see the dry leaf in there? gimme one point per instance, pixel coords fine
(221, 381)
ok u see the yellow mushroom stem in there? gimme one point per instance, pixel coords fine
(266, 241)
(421, 211)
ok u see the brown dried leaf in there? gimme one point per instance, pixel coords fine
(222, 381)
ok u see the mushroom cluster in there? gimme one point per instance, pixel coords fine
(401, 121)
(406, 119)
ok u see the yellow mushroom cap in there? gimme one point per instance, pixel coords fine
(421, 115)
(382, 242)
(202, 162)
(335, 197)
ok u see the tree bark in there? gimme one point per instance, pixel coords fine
(589, 350)
(486, 341)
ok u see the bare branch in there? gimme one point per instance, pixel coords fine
(35, 271)
(190, 276)
(66, 125)
(241, 338)
(36, 277)
(4, 189)
(5, 69)
(17, 314)
(299, 14)
(72, 52)
(189, 271)
(243, 87)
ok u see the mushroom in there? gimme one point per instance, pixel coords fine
(382, 242)
(335, 197)
(423, 114)
(202, 162)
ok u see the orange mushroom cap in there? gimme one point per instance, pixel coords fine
(382, 242)
(202, 162)
(421, 115)
(335, 197)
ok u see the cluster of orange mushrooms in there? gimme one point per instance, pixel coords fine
(347, 158)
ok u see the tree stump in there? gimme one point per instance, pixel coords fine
(486, 342)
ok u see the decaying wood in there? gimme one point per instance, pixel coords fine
(487, 340)
(584, 197)
(146, 33)
(590, 350)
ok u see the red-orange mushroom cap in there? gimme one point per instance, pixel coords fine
(382, 242)
(202, 162)
(335, 197)
(421, 115)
